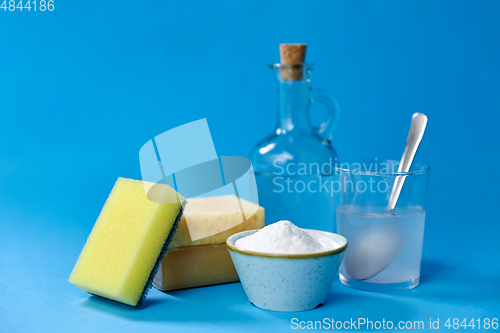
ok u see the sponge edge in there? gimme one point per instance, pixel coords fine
(127, 243)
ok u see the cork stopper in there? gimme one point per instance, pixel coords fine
(293, 55)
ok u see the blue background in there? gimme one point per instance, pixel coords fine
(82, 88)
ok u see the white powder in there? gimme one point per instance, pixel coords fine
(284, 237)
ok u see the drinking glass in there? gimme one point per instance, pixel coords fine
(385, 247)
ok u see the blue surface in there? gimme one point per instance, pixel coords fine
(84, 87)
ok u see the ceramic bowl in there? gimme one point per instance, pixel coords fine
(286, 282)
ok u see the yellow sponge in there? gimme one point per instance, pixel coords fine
(127, 243)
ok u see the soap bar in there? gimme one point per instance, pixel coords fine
(127, 242)
(216, 213)
(194, 266)
(206, 261)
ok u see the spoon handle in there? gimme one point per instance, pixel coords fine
(417, 128)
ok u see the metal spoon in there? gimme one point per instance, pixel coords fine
(417, 128)
(376, 248)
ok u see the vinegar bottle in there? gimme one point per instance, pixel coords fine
(294, 165)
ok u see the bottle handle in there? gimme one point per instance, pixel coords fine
(326, 128)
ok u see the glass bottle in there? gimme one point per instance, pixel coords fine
(294, 165)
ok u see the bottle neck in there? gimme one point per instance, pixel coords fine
(293, 106)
